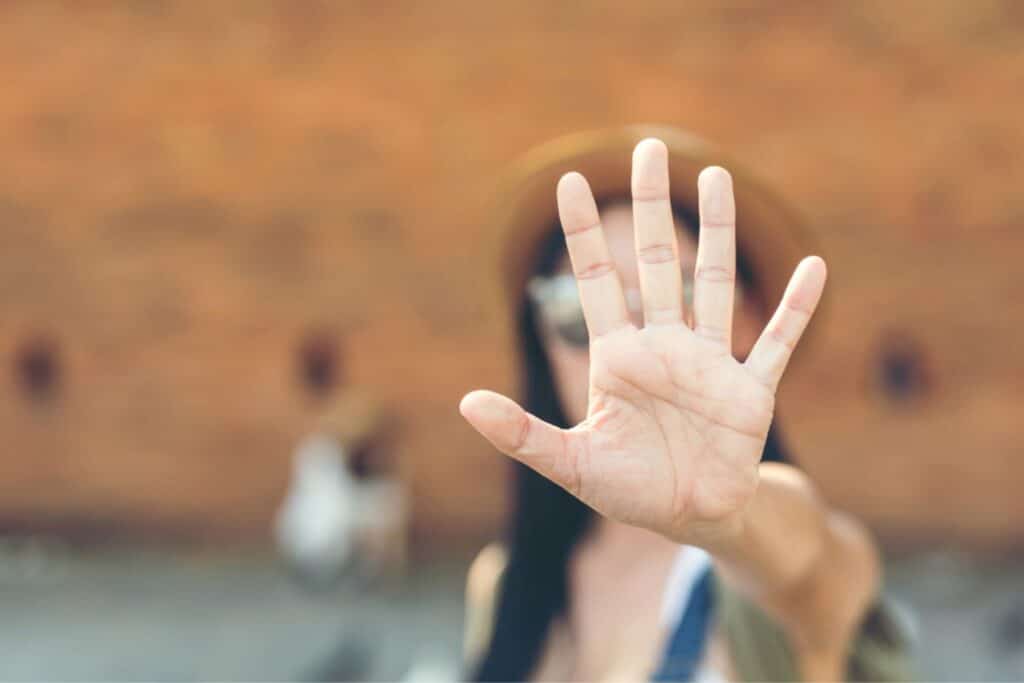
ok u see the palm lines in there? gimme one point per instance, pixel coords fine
(692, 410)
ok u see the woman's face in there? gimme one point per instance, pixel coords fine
(570, 363)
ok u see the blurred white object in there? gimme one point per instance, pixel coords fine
(331, 520)
(316, 525)
(433, 666)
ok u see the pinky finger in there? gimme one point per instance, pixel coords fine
(768, 359)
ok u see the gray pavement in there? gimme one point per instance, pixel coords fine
(967, 614)
(124, 614)
(129, 615)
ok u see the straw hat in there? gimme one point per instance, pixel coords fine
(771, 235)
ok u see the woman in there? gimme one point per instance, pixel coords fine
(706, 561)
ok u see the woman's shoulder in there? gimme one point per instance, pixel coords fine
(483, 581)
(483, 590)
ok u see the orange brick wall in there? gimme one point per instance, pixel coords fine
(191, 195)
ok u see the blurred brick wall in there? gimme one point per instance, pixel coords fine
(191, 196)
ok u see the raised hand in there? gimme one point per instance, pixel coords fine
(676, 425)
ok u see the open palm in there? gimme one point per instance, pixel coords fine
(675, 425)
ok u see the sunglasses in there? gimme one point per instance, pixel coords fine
(558, 301)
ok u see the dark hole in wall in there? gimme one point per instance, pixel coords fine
(903, 373)
(37, 368)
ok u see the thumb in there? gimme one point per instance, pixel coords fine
(516, 433)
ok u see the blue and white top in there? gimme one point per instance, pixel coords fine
(688, 613)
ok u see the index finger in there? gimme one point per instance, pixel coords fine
(600, 289)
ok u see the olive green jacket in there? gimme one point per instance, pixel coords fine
(760, 651)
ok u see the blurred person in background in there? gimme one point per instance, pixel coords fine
(711, 558)
(345, 510)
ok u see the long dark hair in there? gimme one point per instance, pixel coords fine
(547, 522)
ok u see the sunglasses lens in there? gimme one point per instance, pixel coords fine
(574, 333)
(559, 303)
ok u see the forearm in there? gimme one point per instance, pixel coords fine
(814, 569)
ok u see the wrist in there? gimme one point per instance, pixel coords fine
(718, 536)
(779, 538)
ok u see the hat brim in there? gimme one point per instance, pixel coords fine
(771, 235)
